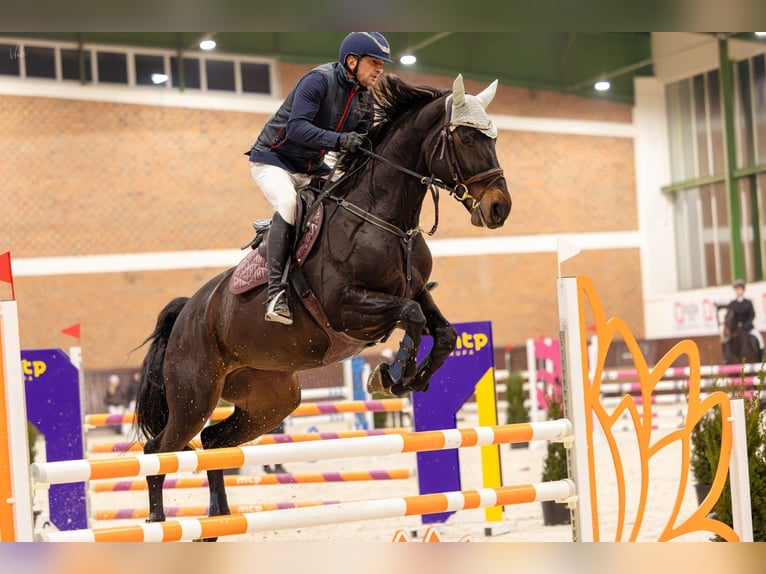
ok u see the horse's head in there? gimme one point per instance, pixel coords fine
(465, 156)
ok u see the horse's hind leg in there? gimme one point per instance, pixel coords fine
(261, 401)
(191, 400)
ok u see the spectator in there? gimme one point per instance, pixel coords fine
(744, 312)
(115, 399)
(131, 394)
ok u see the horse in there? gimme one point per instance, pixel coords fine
(367, 274)
(738, 345)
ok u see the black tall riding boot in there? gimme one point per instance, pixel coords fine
(278, 253)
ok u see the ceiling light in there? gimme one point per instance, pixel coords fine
(159, 78)
(408, 59)
(602, 86)
(207, 44)
(760, 34)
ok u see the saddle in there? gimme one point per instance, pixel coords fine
(253, 270)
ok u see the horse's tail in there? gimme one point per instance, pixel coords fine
(151, 402)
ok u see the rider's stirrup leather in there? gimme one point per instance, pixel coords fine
(281, 315)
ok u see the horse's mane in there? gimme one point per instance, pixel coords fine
(392, 99)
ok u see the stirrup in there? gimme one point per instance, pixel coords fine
(281, 315)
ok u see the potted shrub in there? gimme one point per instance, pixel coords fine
(555, 466)
(517, 412)
(702, 470)
(706, 451)
(32, 434)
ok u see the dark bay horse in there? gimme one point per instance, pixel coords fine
(738, 345)
(369, 271)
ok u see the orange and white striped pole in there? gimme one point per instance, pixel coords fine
(277, 438)
(236, 524)
(236, 457)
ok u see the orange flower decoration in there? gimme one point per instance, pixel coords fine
(606, 331)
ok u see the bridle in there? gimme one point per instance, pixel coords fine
(445, 146)
(443, 150)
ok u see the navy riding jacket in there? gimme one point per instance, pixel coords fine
(322, 104)
(744, 312)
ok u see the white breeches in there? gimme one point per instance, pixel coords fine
(279, 187)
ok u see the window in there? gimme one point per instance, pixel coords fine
(40, 62)
(70, 65)
(189, 72)
(147, 68)
(67, 61)
(112, 67)
(702, 203)
(759, 106)
(9, 59)
(220, 75)
(255, 78)
(702, 238)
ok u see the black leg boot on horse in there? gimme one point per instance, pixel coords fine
(278, 252)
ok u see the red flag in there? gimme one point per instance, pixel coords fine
(72, 331)
(5, 271)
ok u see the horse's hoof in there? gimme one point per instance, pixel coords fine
(399, 389)
(380, 380)
(213, 539)
(155, 518)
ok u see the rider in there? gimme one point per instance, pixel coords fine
(744, 312)
(329, 109)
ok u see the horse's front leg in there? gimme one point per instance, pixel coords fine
(445, 338)
(373, 314)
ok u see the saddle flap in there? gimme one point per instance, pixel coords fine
(253, 270)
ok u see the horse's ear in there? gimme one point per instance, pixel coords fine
(458, 91)
(487, 94)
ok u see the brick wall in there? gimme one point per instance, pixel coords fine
(99, 178)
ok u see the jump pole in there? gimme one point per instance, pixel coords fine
(16, 522)
(125, 446)
(259, 479)
(303, 410)
(178, 511)
(234, 457)
(235, 524)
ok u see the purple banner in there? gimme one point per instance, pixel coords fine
(52, 387)
(451, 386)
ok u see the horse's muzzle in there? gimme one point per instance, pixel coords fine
(493, 209)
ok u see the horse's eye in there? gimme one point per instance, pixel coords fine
(465, 138)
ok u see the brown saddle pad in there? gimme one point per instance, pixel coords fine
(253, 270)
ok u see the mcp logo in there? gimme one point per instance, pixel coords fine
(469, 343)
(33, 369)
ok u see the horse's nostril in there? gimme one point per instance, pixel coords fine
(499, 211)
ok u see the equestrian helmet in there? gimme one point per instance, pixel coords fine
(738, 283)
(365, 44)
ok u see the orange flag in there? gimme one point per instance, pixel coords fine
(5, 271)
(72, 331)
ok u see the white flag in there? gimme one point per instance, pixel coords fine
(566, 249)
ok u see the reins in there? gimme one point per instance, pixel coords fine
(459, 190)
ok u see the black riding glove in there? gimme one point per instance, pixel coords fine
(351, 141)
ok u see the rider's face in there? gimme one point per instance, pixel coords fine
(368, 71)
(739, 291)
